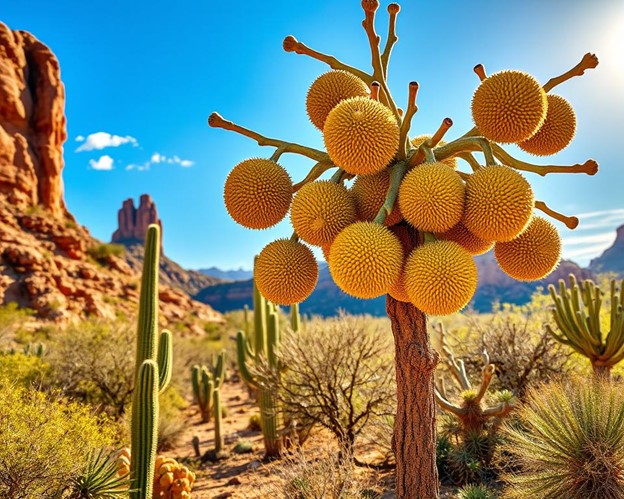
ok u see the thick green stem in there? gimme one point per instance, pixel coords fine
(396, 176)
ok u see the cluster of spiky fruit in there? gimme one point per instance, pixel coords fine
(463, 214)
(172, 480)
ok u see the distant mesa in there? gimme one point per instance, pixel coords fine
(612, 259)
(228, 275)
(133, 222)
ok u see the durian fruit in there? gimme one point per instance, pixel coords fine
(361, 135)
(440, 277)
(397, 290)
(258, 193)
(419, 139)
(369, 193)
(431, 197)
(460, 234)
(499, 203)
(556, 132)
(285, 272)
(328, 90)
(321, 210)
(533, 254)
(365, 259)
(509, 106)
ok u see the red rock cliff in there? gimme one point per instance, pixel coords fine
(32, 123)
(133, 222)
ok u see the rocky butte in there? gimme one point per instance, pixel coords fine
(48, 262)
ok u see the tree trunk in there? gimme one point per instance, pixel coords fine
(414, 438)
(602, 371)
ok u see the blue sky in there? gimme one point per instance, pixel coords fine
(142, 77)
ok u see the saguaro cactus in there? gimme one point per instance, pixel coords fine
(261, 351)
(207, 380)
(153, 373)
(577, 315)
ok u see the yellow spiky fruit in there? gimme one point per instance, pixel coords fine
(321, 210)
(509, 106)
(419, 139)
(533, 254)
(258, 193)
(440, 277)
(431, 197)
(369, 193)
(365, 260)
(499, 203)
(361, 135)
(285, 272)
(461, 235)
(328, 90)
(556, 132)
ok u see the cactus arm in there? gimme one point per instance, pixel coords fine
(273, 339)
(148, 303)
(165, 360)
(246, 319)
(242, 360)
(217, 420)
(195, 381)
(218, 374)
(295, 318)
(486, 379)
(564, 317)
(614, 304)
(615, 339)
(248, 350)
(499, 410)
(259, 304)
(447, 406)
(144, 431)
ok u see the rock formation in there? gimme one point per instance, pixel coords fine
(612, 259)
(32, 123)
(133, 222)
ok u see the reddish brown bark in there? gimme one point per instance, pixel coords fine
(414, 439)
(602, 371)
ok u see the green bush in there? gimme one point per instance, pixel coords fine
(12, 317)
(103, 251)
(569, 443)
(44, 441)
(475, 492)
(23, 369)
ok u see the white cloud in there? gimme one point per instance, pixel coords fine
(100, 140)
(157, 158)
(104, 163)
(606, 238)
(79, 138)
(139, 167)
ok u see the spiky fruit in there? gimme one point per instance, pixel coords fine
(509, 106)
(466, 239)
(440, 277)
(533, 254)
(321, 210)
(557, 130)
(431, 197)
(418, 140)
(361, 135)
(365, 259)
(328, 90)
(397, 290)
(369, 193)
(285, 272)
(499, 203)
(258, 193)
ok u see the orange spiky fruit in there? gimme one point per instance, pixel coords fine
(369, 193)
(431, 197)
(321, 210)
(419, 139)
(533, 254)
(440, 277)
(509, 106)
(361, 135)
(285, 272)
(365, 259)
(328, 90)
(556, 132)
(258, 193)
(460, 234)
(499, 203)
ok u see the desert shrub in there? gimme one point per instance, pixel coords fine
(475, 492)
(339, 374)
(98, 479)
(12, 317)
(94, 362)
(101, 252)
(254, 422)
(170, 422)
(44, 440)
(23, 369)
(569, 442)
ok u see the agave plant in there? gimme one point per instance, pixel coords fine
(99, 479)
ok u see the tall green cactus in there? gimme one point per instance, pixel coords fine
(577, 315)
(207, 380)
(153, 373)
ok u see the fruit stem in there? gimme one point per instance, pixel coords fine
(470, 159)
(430, 237)
(428, 152)
(216, 121)
(338, 176)
(467, 144)
(397, 172)
(479, 69)
(374, 89)
(294, 237)
(393, 10)
(440, 132)
(570, 222)
(278, 152)
(589, 61)
(315, 172)
(291, 44)
(412, 108)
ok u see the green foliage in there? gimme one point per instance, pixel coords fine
(254, 423)
(569, 442)
(475, 492)
(243, 447)
(103, 251)
(207, 380)
(170, 421)
(24, 370)
(99, 479)
(45, 440)
(12, 317)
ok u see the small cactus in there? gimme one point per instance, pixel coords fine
(206, 381)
